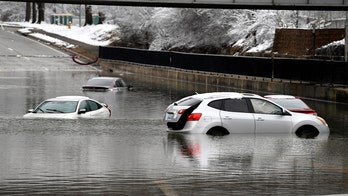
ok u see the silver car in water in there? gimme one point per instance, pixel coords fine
(228, 112)
(106, 84)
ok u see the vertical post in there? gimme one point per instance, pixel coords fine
(346, 41)
(272, 76)
(314, 37)
(80, 23)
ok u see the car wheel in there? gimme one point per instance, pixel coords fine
(307, 132)
(218, 131)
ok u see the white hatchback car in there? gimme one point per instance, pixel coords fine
(70, 107)
(227, 112)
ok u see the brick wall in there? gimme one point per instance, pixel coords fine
(301, 42)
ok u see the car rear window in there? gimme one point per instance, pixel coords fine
(188, 102)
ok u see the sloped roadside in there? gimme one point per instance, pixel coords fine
(87, 53)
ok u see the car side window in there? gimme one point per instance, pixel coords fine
(84, 105)
(119, 83)
(217, 104)
(236, 105)
(94, 105)
(265, 107)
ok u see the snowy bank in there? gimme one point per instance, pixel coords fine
(96, 35)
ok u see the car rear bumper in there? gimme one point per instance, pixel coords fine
(190, 127)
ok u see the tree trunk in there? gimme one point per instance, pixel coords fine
(41, 8)
(34, 13)
(88, 13)
(27, 12)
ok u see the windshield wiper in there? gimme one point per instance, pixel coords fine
(54, 110)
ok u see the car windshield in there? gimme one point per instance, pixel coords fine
(290, 103)
(57, 107)
(101, 82)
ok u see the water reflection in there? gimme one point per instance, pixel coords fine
(249, 149)
(137, 156)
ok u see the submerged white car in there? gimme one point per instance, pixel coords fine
(227, 112)
(70, 107)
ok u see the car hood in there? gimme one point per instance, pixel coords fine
(51, 115)
(302, 110)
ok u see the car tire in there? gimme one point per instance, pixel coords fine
(218, 131)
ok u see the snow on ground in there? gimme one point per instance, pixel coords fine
(97, 35)
(52, 40)
(103, 35)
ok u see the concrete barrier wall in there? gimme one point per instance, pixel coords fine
(257, 85)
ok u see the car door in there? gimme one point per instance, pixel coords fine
(269, 118)
(236, 117)
(96, 110)
(84, 109)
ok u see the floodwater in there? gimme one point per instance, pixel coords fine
(132, 154)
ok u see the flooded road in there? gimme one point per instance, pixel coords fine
(132, 154)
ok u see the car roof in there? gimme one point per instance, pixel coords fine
(105, 78)
(68, 98)
(233, 95)
(280, 97)
(102, 82)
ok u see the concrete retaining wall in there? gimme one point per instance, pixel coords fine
(258, 85)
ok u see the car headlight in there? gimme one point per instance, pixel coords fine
(322, 120)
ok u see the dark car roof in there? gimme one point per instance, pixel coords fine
(102, 81)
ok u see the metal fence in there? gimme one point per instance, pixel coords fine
(313, 71)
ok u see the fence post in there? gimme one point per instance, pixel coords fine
(346, 41)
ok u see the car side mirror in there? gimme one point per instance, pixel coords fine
(82, 111)
(31, 110)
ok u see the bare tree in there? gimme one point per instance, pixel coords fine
(38, 12)
(88, 11)
(41, 8)
(27, 11)
(34, 13)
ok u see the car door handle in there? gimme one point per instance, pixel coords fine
(227, 118)
(260, 119)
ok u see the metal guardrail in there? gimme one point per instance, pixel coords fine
(321, 72)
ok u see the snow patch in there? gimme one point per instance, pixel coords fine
(49, 39)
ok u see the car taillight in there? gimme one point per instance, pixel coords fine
(181, 111)
(194, 117)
